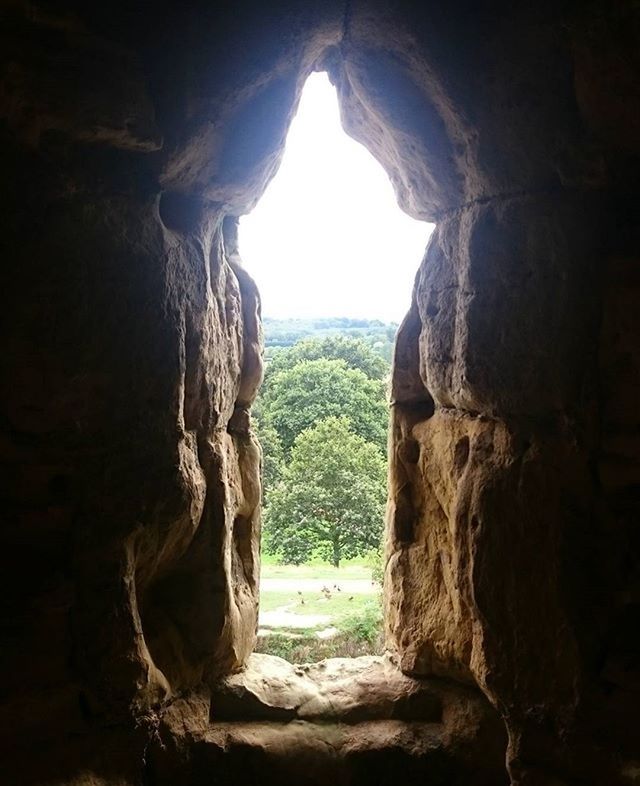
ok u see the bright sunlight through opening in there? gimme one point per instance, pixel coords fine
(328, 239)
(334, 258)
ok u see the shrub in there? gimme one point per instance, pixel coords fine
(374, 561)
(365, 626)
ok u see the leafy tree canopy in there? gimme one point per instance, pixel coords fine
(282, 334)
(354, 351)
(332, 497)
(296, 398)
(272, 454)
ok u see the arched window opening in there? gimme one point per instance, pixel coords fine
(334, 258)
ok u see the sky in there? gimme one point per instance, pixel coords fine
(328, 239)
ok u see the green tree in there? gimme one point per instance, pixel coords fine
(272, 454)
(354, 351)
(332, 497)
(296, 398)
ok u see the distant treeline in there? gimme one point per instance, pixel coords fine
(283, 333)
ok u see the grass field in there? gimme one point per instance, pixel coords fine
(350, 569)
(305, 617)
(314, 603)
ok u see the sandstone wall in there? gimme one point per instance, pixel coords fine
(131, 139)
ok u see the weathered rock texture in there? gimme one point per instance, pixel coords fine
(132, 138)
(343, 721)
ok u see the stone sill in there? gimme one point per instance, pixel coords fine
(340, 721)
(345, 690)
(301, 739)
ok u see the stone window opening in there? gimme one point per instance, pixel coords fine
(321, 244)
(200, 618)
(369, 702)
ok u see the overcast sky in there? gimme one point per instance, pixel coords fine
(328, 239)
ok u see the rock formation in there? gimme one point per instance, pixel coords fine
(132, 139)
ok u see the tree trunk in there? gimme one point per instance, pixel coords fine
(336, 551)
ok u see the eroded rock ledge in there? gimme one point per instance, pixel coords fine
(337, 689)
(329, 722)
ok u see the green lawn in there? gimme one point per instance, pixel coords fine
(315, 603)
(352, 569)
(357, 616)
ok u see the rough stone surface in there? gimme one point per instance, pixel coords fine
(132, 137)
(307, 753)
(338, 689)
(349, 720)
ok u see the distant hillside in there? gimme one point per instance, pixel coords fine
(282, 333)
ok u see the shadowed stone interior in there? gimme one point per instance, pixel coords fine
(132, 139)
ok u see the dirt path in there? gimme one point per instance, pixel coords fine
(283, 618)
